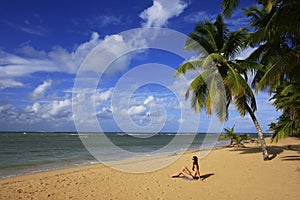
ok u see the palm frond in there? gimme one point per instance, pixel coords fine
(198, 88)
(286, 64)
(236, 42)
(208, 92)
(212, 59)
(245, 65)
(221, 32)
(268, 4)
(215, 98)
(228, 6)
(285, 129)
(207, 31)
(235, 82)
(198, 44)
(279, 24)
(240, 90)
(187, 66)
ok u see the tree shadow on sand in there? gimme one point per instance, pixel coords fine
(274, 151)
(205, 176)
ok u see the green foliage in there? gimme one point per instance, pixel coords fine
(228, 6)
(230, 134)
(238, 140)
(287, 100)
(276, 28)
(221, 79)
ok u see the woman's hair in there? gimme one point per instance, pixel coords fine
(195, 161)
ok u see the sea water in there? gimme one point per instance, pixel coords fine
(23, 153)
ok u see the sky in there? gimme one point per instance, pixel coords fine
(89, 66)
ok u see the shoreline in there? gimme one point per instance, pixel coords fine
(60, 166)
(228, 173)
(119, 162)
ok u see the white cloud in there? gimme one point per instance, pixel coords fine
(103, 96)
(199, 17)
(31, 60)
(33, 109)
(28, 27)
(137, 110)
(14, 66)
(112, 48)
(161, 11)
(105, 113)
(29, 51)
(53, 114)
(4, 108)
(39, 92)
(9, 83)
(104, 21)
(149, 100)
(60, 109)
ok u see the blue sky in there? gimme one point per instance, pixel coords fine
(44, 43)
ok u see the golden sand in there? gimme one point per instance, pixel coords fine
(229, 173)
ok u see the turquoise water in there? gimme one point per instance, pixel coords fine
(23, 153)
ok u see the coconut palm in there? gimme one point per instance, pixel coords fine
(277, 31)
(222, 47)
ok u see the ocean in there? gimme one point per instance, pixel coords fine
(24, 153)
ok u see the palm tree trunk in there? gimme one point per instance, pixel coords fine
(260, 135)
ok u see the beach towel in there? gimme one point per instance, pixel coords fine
(190, 179)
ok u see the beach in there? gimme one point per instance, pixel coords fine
(228, 173)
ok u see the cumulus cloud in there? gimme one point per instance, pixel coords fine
(33, 109)
(53, 114)
(59, 109)
(148, 100)
(40, 91)
(161, 11)
(137, 110)
(103, 95)
(105, 113)
(113, 48)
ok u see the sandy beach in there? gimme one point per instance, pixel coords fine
(228, 173)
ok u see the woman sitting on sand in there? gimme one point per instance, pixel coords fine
(185, 172)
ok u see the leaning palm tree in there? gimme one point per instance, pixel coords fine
(222, 47)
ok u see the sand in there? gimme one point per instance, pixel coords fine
(229, 173)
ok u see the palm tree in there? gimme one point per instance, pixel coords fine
(288, 100)
(238, 140)
(221, 46)
(230, 134)
(277, 31)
